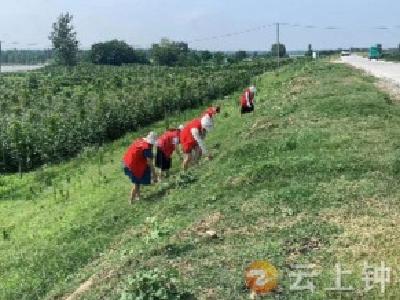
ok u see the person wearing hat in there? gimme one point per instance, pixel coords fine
(166, 145)
(212, 111)
(247, 100)
(192, 139)
(138, 164)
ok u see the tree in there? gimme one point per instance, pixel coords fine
(85, 56)
(219, 58)
(26, 56)
(64, 40)
(240, 55)
(192, 59)
(205, 55)
(169, 53)
(282, 50)
(115, 53)
(309, 51)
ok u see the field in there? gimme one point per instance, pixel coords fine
(50, 115)
(311, 178)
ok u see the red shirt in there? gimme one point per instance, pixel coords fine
(247, 93)
(134, 158)
(186, 138)
(167, 142)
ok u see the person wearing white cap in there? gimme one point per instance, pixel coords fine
(138, 164)
(212, 111)
(247, 100)
(192, 139)
(166, 146)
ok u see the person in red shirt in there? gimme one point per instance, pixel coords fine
(192, 139)
(247, 100)
(166, 145)
(138, 164)
(212, 111)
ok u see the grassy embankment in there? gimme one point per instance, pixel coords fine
(312, 178)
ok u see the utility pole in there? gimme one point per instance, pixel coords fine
(278, 43)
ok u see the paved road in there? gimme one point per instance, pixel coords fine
(380, 69)
(8, 69)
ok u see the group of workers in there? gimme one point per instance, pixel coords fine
(138, 160)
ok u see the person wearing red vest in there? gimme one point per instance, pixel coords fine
(212, 111)
(247, 100)
(138, 164)
(166, 145)
(192, 139)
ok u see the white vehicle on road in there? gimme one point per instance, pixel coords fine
(345, 53)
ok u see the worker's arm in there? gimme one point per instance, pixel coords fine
(175, 141)
(148, 154)
(153, 170)
(196, 135)
(248, 99)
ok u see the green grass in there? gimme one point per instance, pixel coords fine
(393, 56)
(312, 177)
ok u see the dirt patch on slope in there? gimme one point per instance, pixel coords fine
(85, 286)
(202, 227)
(364, 234)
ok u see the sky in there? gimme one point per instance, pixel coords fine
(324, 24)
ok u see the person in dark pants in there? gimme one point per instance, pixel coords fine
(166, 146)
(138, 164)
(247, 100)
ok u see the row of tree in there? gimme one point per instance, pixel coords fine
(115, 52)
(26, 56)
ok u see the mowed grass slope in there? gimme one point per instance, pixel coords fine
(311, 178)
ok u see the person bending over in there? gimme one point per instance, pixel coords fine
(138, 164)
(167, 144)
(192, 140)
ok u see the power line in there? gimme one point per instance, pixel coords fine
(292, 25)
(249, 30)
(215, 37)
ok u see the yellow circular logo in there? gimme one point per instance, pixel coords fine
(261, 277)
